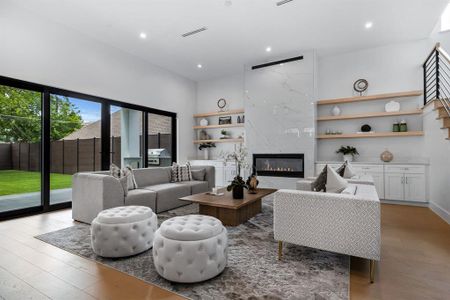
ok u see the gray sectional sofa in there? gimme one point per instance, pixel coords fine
(96, 191)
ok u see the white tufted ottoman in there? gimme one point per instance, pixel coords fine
(190, 248)
(123, 231)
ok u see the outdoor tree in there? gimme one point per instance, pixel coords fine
(20, 116)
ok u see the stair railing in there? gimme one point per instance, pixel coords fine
(436, 77)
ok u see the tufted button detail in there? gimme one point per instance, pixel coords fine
(134, 227)
(144, 234)
(179, 273)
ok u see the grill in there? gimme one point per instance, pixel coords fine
(159, 157)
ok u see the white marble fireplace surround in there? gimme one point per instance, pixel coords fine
(280, 113)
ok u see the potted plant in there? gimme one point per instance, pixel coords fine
(225, 134)
(238, 184)
(205, 148)
(348, 152)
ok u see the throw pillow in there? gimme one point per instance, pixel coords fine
(181, 172)
(198, 174)
(115, 171)
(320, 183)
(349, 172)
(335, 183)
(129, 174)
(341, 169)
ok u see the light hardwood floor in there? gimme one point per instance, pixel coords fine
(415, 262)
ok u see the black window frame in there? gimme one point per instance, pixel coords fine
(106, 104)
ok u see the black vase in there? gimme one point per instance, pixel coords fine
(238, 192)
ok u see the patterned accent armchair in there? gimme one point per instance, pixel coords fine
(341, 223)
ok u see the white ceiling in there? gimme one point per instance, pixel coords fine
(238, 34)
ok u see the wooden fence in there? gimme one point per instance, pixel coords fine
(69, 156)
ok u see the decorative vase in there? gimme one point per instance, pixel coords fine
(348, 157)
(238, 192)
(403, 126)
(396, 127)
(387, 156)
(205, 154)
(336, 111)
(204, 122)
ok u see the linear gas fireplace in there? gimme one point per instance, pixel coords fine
(280, 165)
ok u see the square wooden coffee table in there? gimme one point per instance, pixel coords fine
(231, 212)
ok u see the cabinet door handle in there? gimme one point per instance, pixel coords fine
(403, 180)
(406, 178)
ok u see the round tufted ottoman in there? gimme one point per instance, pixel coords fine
(190, 248)
(123, 231)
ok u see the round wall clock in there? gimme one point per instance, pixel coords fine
(221, 103)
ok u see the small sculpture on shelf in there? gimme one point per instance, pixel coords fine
(360, 86)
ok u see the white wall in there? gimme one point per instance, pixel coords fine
(40, 51)
(392, 68)
(230, 88)
(438, 148)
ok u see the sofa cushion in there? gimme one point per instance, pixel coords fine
(152, 176)
(196, 187)
(167, 195)
(366, 191)
(141, 197)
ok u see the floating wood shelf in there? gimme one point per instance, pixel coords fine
(220, 126)
(369, 98)
(370, 115)
(369, 135)
(219, 141)
(220, 113)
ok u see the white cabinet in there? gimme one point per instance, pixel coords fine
(394, 186)
(405, 183)
(392, 182)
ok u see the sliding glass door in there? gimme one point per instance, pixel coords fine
(75, 143)
(159, 140)
(48, 134)
(20, 148)
(126, 137)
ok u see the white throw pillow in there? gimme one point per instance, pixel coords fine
(335, 183)
(349, 172)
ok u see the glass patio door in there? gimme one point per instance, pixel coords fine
(126, 137)
(75, 143)
(20, 149)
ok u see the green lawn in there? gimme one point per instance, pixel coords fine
(18, 182)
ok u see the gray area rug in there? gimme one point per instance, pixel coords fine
(253, 271)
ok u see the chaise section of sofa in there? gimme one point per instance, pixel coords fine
(96, 191)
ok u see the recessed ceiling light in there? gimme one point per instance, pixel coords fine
(143, 35)
(368, 25)
(268, 49)
(199, 66)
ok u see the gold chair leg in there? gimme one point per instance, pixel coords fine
(280, 250)
(372, 270)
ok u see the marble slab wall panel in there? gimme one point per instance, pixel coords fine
(280, 112)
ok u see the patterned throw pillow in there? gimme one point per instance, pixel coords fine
(131, 181)
(115, 171)
(341, 169)
(181, 172)
(319, 184)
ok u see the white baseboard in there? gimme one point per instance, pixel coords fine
(440, 212)
(402, 202)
